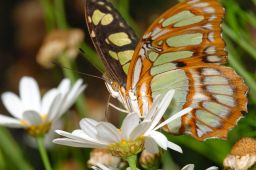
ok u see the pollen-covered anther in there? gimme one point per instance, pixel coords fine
(39, 130)
(126, 149)
(242, 155)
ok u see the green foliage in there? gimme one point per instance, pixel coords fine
(239, 27)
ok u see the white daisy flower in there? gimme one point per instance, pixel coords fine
(133, 136)
(192, 166)
(36, 114)
(187, 167)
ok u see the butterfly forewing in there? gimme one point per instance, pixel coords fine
(113, 39)
(183, 50)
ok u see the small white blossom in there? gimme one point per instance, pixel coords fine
(34, 113)
(133, 136)
(192, 166)
(242, 155)
(103, 156)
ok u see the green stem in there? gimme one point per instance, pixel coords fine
(132, 161)
(60, 14)
(43, 153)
(241, 70)
(92, 57)
(240, 41)
(12, 151)
(68, 63)
(124, 9)
(48, 14)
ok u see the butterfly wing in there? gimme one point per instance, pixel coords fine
(183, 50)
(113, 39)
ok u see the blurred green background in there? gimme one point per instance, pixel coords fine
(22, 29)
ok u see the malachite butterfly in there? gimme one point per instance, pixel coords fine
(183, 50)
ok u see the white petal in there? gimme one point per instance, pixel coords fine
(89, 127)
(188, 167)
(54, 108)
(30, 94)
(72, 96)
(13, 104)
(80, 136)
(129, 123)
(10, 122)
(150, 145)
(47, 101)
(32, 117)
(107, 133)
(174, 147)
(153, 108)
(173, 117)
(165, 102)
(74, 143)
(64, 86)
(212, 168)
(140, 130)
(80, 133)
(159, 138)
(69, 135)
(101, 167)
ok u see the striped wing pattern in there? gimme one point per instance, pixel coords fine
(183, 50)
(113, 39)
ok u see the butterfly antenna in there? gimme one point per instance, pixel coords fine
(85, 74)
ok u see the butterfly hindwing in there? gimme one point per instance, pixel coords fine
(113, 39)
(183, 50)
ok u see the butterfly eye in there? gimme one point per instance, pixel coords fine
(115, 86)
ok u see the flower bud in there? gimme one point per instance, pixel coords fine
(103, 156)
(148, 159)
(242, 156)
(58, 42)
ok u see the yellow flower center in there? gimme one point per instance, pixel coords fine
(126, 148)
(39, 130)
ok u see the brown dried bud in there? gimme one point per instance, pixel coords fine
(242, 155)
(58, 42)
(148, 159)
(103, 156)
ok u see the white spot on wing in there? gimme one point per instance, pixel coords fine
(133, 101)
(210, 71)
(192, 1)
(211, 36)
(213, 17)
(211, 50)
(209, 10)
(147, 35)
(160, 34)
(208, 26)
(200, 5)
(213, 58)
(137, 71)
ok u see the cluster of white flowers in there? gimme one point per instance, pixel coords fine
(131, 138)
(187, 167)
(36, 115)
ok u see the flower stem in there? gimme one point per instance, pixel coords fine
(48, 14)
(68, 63)
(12, 151)
(43, 153)
(60, 14)
(132, 161)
